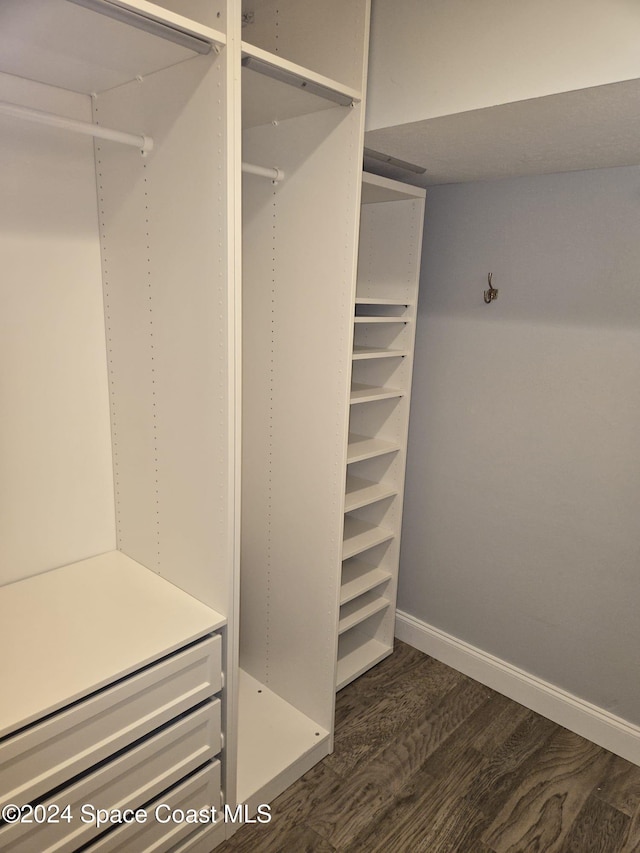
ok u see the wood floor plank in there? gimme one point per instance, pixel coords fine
(429, 812)
(598, 828)
(286, 839)
(392, 675)
(508, 716)
(509, 766)
(425, 816)
(289, 814)
(374, 722)
(539, 813)
(370, 788)
(632, 840)
(620, 786)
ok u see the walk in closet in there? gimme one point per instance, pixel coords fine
(384, 317)
(180, 206)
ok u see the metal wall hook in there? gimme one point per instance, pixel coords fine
(492, 293)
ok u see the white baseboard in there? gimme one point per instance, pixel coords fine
(583, 718)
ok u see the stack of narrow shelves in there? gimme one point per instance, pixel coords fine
(384, 329)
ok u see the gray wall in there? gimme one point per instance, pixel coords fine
(522, 514)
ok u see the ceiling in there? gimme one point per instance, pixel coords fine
(590, 128)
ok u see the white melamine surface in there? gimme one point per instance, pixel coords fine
(266, 99)
(273, 737)
(376, 188)
(360, 353)
(331, 37)
(56, 467)
(361, 393)
(373, 300)
(77, 628)
(364, 447)
(359, 577)
(356, 654)
(360, 492)
(359, 609)
(360, 535)
(66, 45)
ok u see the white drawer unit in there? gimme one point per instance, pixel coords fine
(168, 820)
(140, 664)
(129, 781)
(65, 744)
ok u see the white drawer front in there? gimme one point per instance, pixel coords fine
(201, 841)
(69, 742)
(200, 791)
(129, 781)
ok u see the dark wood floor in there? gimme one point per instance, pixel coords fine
(428, 760)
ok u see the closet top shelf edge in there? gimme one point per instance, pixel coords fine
(153, 12)
(91, 46)
(376, 188)
(275, 66)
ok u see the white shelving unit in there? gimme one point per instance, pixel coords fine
(177, 332)
(384, 315)
(299, 270)
(118, 500)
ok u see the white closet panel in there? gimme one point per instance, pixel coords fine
(163, 234)
(56, 500)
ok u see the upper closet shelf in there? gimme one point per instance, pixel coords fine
(374, 300)
(274, 89)
(367, 318)
(90, 46)
(376, 189)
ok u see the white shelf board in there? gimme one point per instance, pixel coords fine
(77, 628)
(374, 300)
(276, 742)
(266, 98)
(356, 654)
(371, 319)
(360, 353)
(378, 189)
(360, 492)
(361, 393)
(65, 45)
(359, 577)
(355, 612)
(362, 447)
(359, 536)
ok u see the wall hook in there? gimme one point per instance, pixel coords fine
(492, 293)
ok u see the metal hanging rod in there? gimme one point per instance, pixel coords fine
(264, 171)
(143, 143)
